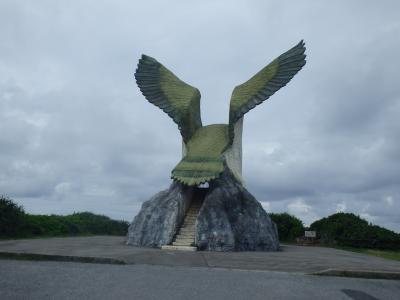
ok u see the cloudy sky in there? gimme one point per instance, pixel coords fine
(77, 135)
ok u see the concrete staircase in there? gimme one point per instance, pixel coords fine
(184, 239)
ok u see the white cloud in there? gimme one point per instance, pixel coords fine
(341, 207)
(389, 200)
(63, 189)
(299, 207)
(98, 191)
(266, 205)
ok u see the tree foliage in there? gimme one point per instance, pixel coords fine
(289, 227)
(347, 229)
(12, 217)
(15, 223)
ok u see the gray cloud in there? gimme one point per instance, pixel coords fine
(76, 134)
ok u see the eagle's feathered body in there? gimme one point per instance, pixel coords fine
(210, 148)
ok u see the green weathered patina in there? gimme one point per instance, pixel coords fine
(203, 160)
(178, 99)
(265, 83)
(206, 146)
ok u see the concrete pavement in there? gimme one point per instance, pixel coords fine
(61, 280)
(112, 249)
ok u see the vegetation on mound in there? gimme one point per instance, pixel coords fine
(349, 230)
(15, 223)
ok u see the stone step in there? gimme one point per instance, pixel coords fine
(188, 222)
(185, 236)
(187, 244)
(187, 229)
(183, 242)
(188, 226)
(191, 223)
(183, 248)
(187, 232)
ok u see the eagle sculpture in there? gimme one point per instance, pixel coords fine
(207, 150)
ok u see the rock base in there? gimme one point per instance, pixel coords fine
(230, 218)
(160, 217)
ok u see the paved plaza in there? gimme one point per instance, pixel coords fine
(298, 259)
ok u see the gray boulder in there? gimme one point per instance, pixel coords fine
(159, 218)
(231, 219)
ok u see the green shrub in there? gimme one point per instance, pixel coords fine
(15, 223)
(289, 227)
(98, 224)
(12, 217)
(347, 229)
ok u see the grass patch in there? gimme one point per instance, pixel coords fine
(359, 274)
(388, 254)
(395, 255)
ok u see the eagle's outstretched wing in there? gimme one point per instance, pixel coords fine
(265, 83)
(176, 98)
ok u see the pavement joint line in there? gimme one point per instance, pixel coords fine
(66, 258)
(205, 260)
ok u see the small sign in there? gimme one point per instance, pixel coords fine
(311, 234)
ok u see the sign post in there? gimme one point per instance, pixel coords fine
(310, 234)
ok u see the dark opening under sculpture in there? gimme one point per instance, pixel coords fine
(224, 216)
